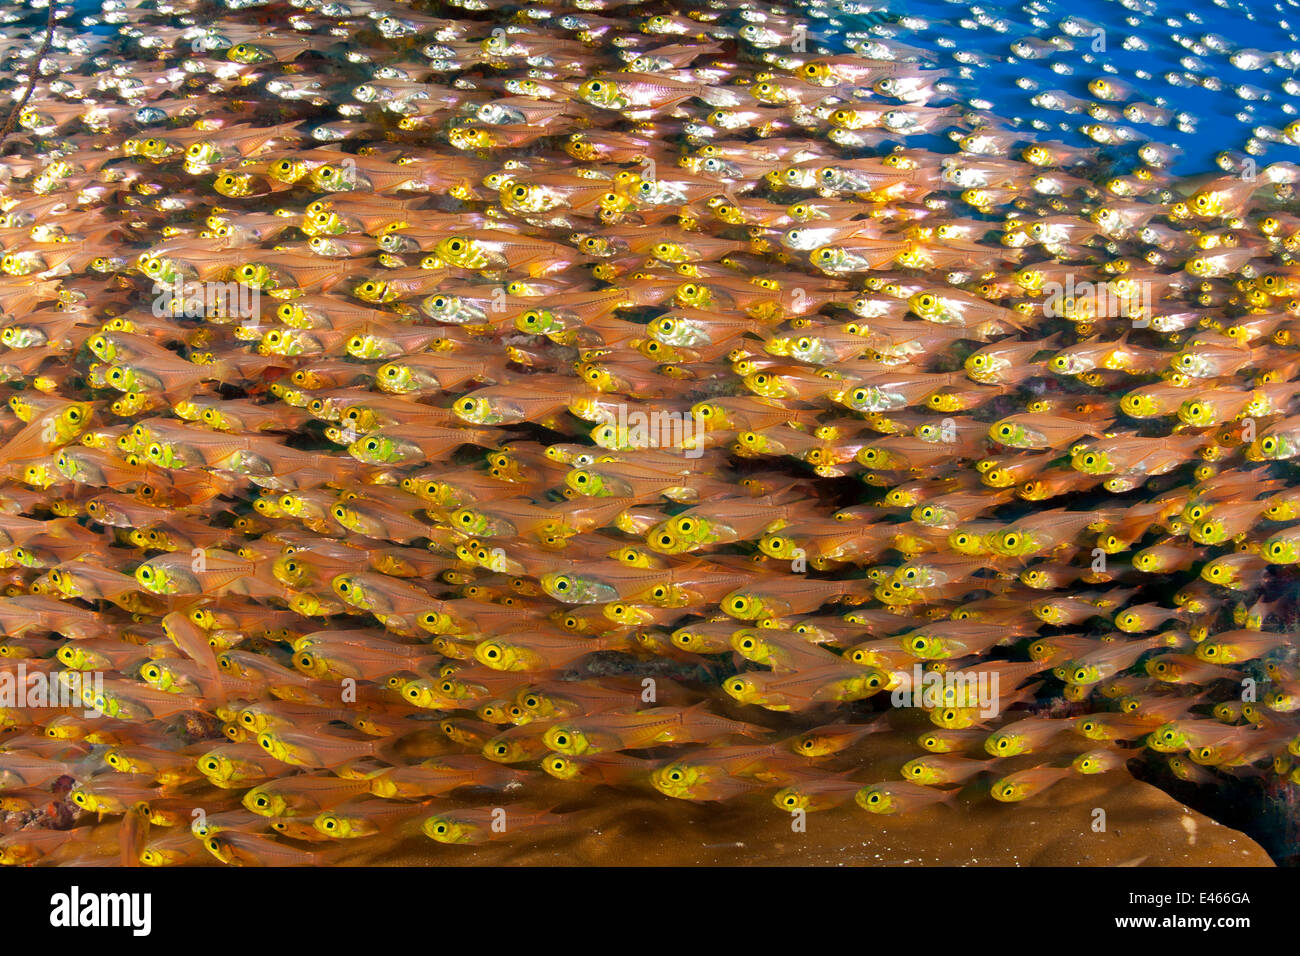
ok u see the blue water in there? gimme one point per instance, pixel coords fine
(1207, 32)
(1173, 55)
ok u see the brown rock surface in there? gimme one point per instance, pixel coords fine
(1144, 826)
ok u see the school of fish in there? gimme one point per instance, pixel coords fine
(408, 403)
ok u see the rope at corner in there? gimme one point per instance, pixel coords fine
(12, 121)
